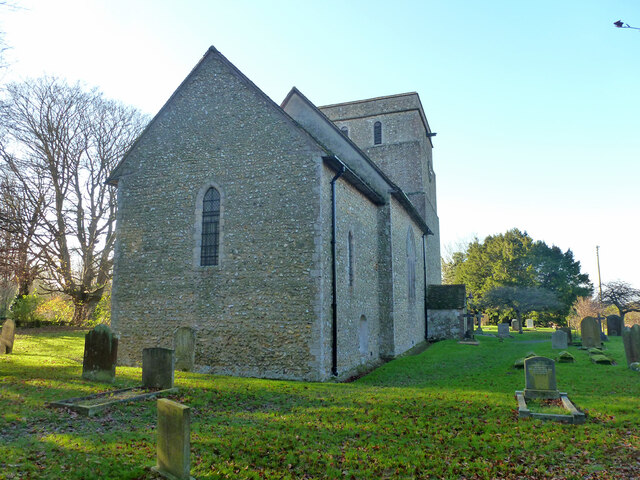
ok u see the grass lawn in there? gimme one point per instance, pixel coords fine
(448, 412)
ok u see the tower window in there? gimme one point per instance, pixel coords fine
(209, 251)
(377, 133)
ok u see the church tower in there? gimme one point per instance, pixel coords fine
(393, 131)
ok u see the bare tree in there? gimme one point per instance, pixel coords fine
(622, 296)
(60, 144)
(521, 300)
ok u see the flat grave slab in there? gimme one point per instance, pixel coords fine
(92, 404)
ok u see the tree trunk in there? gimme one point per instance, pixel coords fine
(519, 317)
(85, 306)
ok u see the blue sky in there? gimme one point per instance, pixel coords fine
(536, 104)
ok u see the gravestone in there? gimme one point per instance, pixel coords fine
(631, 340)
(7, 336)
(515, 326)
(184, 344)
(100, 354)
(540, 378)
(590, 331)
(614, 325)
(174, 440)
(529, 322)
(559, 340)
(503, 329)
(567, 330)
(157, 368)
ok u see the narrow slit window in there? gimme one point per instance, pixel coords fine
(209, 254)
(377, 133)
(350, 259)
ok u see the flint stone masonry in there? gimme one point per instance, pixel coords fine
(174, 440)
(614, 325)
(631, 341)
(559, 340)
(266, 309)
(7, 336)
(446, 311)
(157, 368)
(100, 355)
(590, 332)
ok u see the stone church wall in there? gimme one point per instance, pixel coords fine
(253, 314)
(358, 296)
(408, 315)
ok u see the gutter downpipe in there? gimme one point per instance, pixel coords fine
(334, 299)
(424, 268)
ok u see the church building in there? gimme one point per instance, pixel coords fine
(278, 241)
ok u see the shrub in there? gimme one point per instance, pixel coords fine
(102, 313)
(55, 311)
(23, 310)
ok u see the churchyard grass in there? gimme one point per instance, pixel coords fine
(448, 412)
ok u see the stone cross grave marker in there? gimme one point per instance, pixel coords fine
(503, 329)
(529, 322)
(515, 325)
(100, 355)
(7, 336)
(614, 326)
(174, 440)
(590, 331)
(631, 340)
(540, 378)
(157, 368)
(559, 340)
(184, 343)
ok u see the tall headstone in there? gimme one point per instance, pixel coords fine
(631, 340)
(590, 331)
(503, 329)
(100, 355)
(174, 440)
(540, 378)
(157, 368)
(184, 344)
(529, 322)
(515, 325)
(559, 340)
(614, 325)
(7, 336)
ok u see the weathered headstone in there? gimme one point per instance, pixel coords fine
(631, 340)
(540, 378)
(7, 336)
(567, 330)
(100, 355)
(174, 440)
(184, 344)
(590, 332)
(515, 325)
(529, 322)
(503, 329)
(559, 340)
(614, 326)
(157, 368)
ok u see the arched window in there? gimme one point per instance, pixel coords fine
(411, 266)
(377, 133)
(363, 336)
(209, 250)
(345, 131)
(350, 259)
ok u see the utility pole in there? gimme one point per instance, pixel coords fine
(599, 290)
(599, 281)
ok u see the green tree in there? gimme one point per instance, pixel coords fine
(514, 259)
